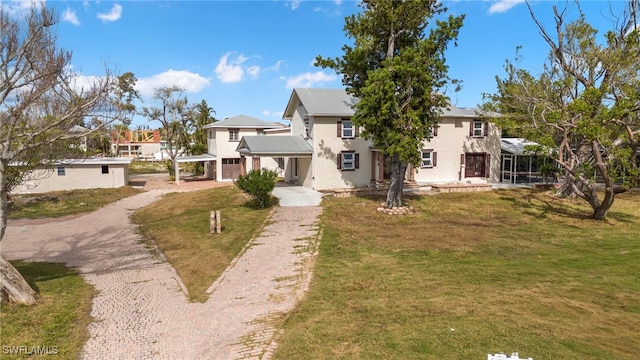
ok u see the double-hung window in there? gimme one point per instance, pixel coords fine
(428, 158)
(348, 160)
(234, 135)
(347, 129)
(478, 128)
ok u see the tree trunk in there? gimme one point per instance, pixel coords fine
(176, 171)
(394, 195)
(13, 286)
(600, 213)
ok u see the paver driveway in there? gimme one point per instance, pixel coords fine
(141, 311)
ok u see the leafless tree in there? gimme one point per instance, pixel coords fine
(42, 104)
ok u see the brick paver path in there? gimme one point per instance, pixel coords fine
(141, 311)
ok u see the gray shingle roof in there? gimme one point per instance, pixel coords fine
(244, 121)
(274, 146)
(321, 102)
(336, 102)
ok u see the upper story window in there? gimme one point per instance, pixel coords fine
(433, 131)
(346, 129)
(478, 128)
(260, 133)
(234, 135)
(105, 169)
(61, 171)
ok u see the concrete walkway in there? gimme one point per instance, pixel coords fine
(141, 311)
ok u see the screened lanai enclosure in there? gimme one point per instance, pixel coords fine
(524, 162)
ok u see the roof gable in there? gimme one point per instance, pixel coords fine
(321, 102)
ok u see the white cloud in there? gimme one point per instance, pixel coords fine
(276, 114)
(253, 71)
(230, 72)
(233, 69)
(20, 7)
(309, 79)
(113, 15)
(70, 16)
(189, 81)
(294, 4)
(503, 6)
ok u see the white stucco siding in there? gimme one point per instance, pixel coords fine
(327, 147)
(297, 121)
(73, 177)
(226, 148)
(451, 142)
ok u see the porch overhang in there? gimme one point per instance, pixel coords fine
(274, 146)
(196, 158)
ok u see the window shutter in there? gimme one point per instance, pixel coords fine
(487, 166)
(339, 161)
(339, 133)
(461, 159)
(434, 159)
(486, 129)
(357, 161)
(435, 130)
(357, 131)
(471, 129)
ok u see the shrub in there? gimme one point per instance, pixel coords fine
(258, 184)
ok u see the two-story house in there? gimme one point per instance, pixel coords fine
(223, 138)
(323, 150)
(463, 148)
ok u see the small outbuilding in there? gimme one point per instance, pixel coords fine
(72, 174)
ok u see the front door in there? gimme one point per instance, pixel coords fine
(475, 165)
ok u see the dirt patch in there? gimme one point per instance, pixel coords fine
(187, 183)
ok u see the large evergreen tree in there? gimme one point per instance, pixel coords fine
(396, 69)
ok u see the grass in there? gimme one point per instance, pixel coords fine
(179, 225)
(57, 324)
(62, 203)
(148, 167)
(470, 274)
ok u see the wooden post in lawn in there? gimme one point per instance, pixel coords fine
(215, 222)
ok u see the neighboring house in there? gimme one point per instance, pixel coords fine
(325, 151)
(77, 129)
(138, 144)
(223, 138)
(77, 174)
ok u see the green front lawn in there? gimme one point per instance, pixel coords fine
(471, 274)
(179, 224)
(61, 203)
(56, 326)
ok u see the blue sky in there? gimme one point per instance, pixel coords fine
(245, 57)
